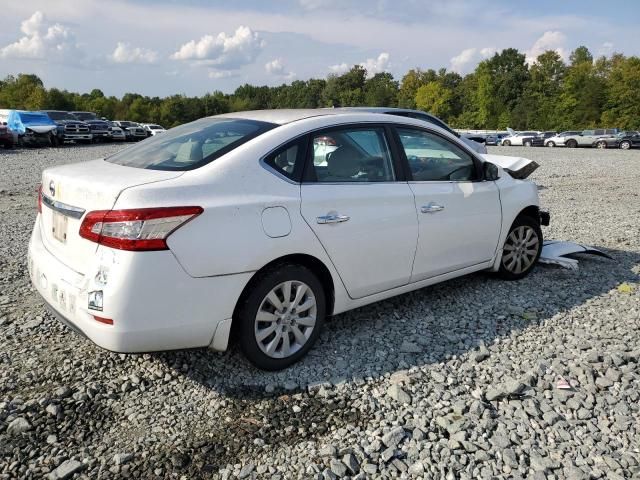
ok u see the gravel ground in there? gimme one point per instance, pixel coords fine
(459, 380)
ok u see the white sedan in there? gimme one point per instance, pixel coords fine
(235, 223)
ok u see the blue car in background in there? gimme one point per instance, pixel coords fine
(33, 128)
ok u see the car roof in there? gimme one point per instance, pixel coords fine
(281, 116)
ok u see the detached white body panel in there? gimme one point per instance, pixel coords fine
(185, 294)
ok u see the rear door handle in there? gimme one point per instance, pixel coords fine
(432, 208)
(332, 218)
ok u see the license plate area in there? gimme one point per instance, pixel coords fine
(59, 227)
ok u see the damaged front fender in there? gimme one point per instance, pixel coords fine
(517, 167)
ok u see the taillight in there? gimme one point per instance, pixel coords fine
(39, 190)
(136, 229)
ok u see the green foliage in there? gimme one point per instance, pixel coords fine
(503, 91)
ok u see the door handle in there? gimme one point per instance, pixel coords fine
(332, 218)
(432, 208)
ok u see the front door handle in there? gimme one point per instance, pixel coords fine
(432, 208)
(332, 218)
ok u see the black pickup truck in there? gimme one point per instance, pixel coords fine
(72, 129)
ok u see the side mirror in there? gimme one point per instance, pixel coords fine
(490, 171)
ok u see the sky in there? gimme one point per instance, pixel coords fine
(165, 47)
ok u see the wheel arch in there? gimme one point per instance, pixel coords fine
(314, 264)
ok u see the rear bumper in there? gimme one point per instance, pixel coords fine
(154, 304)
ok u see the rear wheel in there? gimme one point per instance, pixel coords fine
(551, 144)
(601, 144)
(571, 144)
(521, 248)
(506, 143)
(527, 143)
(281, 317)
(625, 145)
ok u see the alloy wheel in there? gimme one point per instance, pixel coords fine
(625, 145)
(520, 249)
(285, 319)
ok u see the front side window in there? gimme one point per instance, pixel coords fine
(351, 155)
(191, 145)
(433, 158)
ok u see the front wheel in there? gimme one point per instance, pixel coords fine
(571, 144)
(281, 317)
(528, 143)
(506, 143)
(551, 144)
(601, 144)
(521, 248)
(625, 145)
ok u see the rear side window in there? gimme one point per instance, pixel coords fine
(351, 155)
(192, 145)
(288, 160)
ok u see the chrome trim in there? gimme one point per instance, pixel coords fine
(431, 208)
(63, 208)
(332, 218)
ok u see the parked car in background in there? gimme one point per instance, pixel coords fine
(495, 138)
(424, 116)
(72, 129)
(588, 138)
(558, 140)
(538, 140)
(517, 138)
(7, 139)
(159, 232)
(32, 128)
(100, 130)
(623, 140)
(132, 130)
(116, 134)
(152, 128)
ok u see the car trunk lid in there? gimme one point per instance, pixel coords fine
(71, 191)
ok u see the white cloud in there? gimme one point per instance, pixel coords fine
(469, 57)
(376, 65)
(606, 49)
(218, 74)
(224, 51)
(125, 53)
(277, 68)
(339, 68)
(371, 65)
(43, 40)
(550, 40)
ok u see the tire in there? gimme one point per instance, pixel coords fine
(551, 144)
(601, 145)
(571, 144)
(277, 322)
(506, 143)
(625, 145)
(517, 261)
(528, 143)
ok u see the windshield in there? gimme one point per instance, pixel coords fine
(126, 124)
(35, 118)
(191, 145)
(85, 115)
(60, 116)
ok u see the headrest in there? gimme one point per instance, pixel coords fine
(343, 162)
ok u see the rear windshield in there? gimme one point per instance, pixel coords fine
(191, 145)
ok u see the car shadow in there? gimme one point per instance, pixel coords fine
(423, 327)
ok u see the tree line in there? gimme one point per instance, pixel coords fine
(503, 91)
